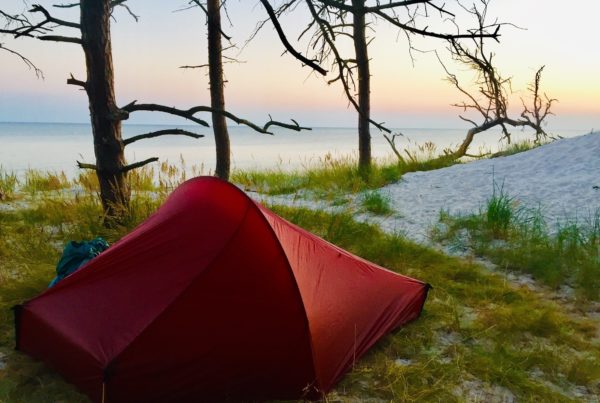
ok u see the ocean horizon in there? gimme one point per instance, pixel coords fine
(57, 146)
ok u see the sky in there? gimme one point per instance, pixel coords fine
(147, 55)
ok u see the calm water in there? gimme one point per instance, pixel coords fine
(56, 146)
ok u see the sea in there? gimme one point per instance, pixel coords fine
(56, 147)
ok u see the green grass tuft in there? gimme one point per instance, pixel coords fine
(376, 203)
(499, 213)
(520, 240)
(8, 184)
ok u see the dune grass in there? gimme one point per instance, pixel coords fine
(8, 184)
(519, 239)
(518, 147)
(331, 177)
(376, 203)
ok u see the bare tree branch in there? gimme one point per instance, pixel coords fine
(539, 111)
(73, 81)
(392, 142)
(199, 4)
(83, 165)
(158, 133)
(491, 102)
(58, 38)
(199, 66)
(38, 73)
(187, 114)
(140, 164)
(40, 30)
(286, 43)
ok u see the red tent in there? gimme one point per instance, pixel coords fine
(213, 298)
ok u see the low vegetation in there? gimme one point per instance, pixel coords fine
(376, 203)
(519, 239)
(480, 337)
(331, 177)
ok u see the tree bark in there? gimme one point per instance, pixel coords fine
(364, 86)
(217, 93)
(104, 113)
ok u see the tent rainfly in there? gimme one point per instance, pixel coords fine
(215, 298)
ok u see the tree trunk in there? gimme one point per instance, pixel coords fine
(364, 87)
(217, 95)
(105, 117)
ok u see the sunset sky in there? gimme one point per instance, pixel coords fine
(147, 55)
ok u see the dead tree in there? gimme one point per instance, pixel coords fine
(212, 9)
(106, 117)
(217, 91)
(492, 98)
(94, 38)
(333, 21)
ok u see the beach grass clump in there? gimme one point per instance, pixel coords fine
(39, 181)
(331, 176)
(8, 184)
(142, 179)
(88, 181)
(500, 213)
(518, 147)
(517, 239)
(376, 203)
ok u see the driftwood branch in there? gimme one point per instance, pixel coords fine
(536, 114)
(140, 164)
(158, 133)
(492, 98)
(392, 142)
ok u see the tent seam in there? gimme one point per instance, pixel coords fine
(296, 287)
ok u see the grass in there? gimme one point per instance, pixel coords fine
(331, 177)
(476, 332)
(518, 147)
(478, 337)
(376, 203)
(520, 240)
(38, 181)
(476, 329)
(8, 184)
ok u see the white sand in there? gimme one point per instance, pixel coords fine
(559, 178)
